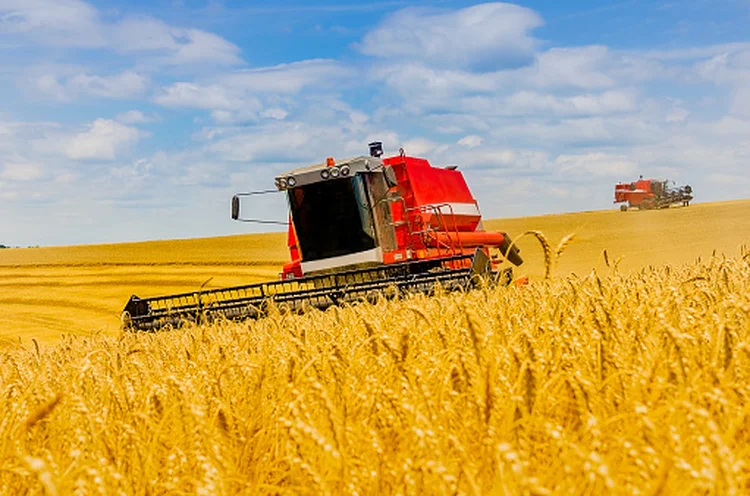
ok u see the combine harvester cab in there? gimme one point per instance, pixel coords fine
(360, 227)
(647, 194)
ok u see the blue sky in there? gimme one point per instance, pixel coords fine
(138, 120)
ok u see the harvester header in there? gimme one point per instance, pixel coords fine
(358, 226)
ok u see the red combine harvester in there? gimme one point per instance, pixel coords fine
(647, 194)
(359, 228)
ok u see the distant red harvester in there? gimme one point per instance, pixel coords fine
(648, 194)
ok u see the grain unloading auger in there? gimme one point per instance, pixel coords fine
(359, 229)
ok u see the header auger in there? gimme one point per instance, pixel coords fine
(359, 228)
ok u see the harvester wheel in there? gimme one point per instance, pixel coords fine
(623, 208)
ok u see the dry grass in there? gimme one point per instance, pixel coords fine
(609, 383)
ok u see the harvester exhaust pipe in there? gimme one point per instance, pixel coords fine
(376, 149)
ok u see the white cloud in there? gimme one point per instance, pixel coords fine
(730, 67)
(21, 172)
(104, 140)
(420, 147)
(173, 45)
(484, 37)
(534, 129)
(577, 67)
(236, 97)
(275, 113)
(564, 81)
(54, 22)
(124, 85)
(287, 78)
(597, 163)
(136, 117)
(728, 179)
(213, 96)
(471, 141)
(677, 114)
(740, 105)
(78, 24)
(50, 86)
(285, 143)
(127, 84)
(607, 102)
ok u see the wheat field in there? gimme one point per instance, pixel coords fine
(45, 292)
(623, 372)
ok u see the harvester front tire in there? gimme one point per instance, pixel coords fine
(623, 208)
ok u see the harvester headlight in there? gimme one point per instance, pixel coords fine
(344, 170)
(291, 181)
(335, 172)
(325, 174)
(282, 183)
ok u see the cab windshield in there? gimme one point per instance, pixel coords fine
(332, 218)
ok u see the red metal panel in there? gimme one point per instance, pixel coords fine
(420, 184)
(634, 193)
(433, 185)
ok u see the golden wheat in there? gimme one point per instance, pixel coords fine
(606, 383)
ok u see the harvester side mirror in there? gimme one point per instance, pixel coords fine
(390, 177)
(235, 207)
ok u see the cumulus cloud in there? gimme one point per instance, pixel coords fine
(597, 163)
(123, 85)
(21, 172)
(136, 117)
(741, 102)
(78, 24)
(173, 45)
(536, 126)
(578, 67)
(126, 84)
(570, 81)
(471, 141)
(236, 96)
(677, 114)
(214, 96)
(730, 67)
(103, 140)
(55, 22)
(275, 113)
(608, 102)
(484, 37)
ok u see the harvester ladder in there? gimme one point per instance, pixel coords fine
(453, 246)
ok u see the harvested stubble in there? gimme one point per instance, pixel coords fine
(612, 383)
